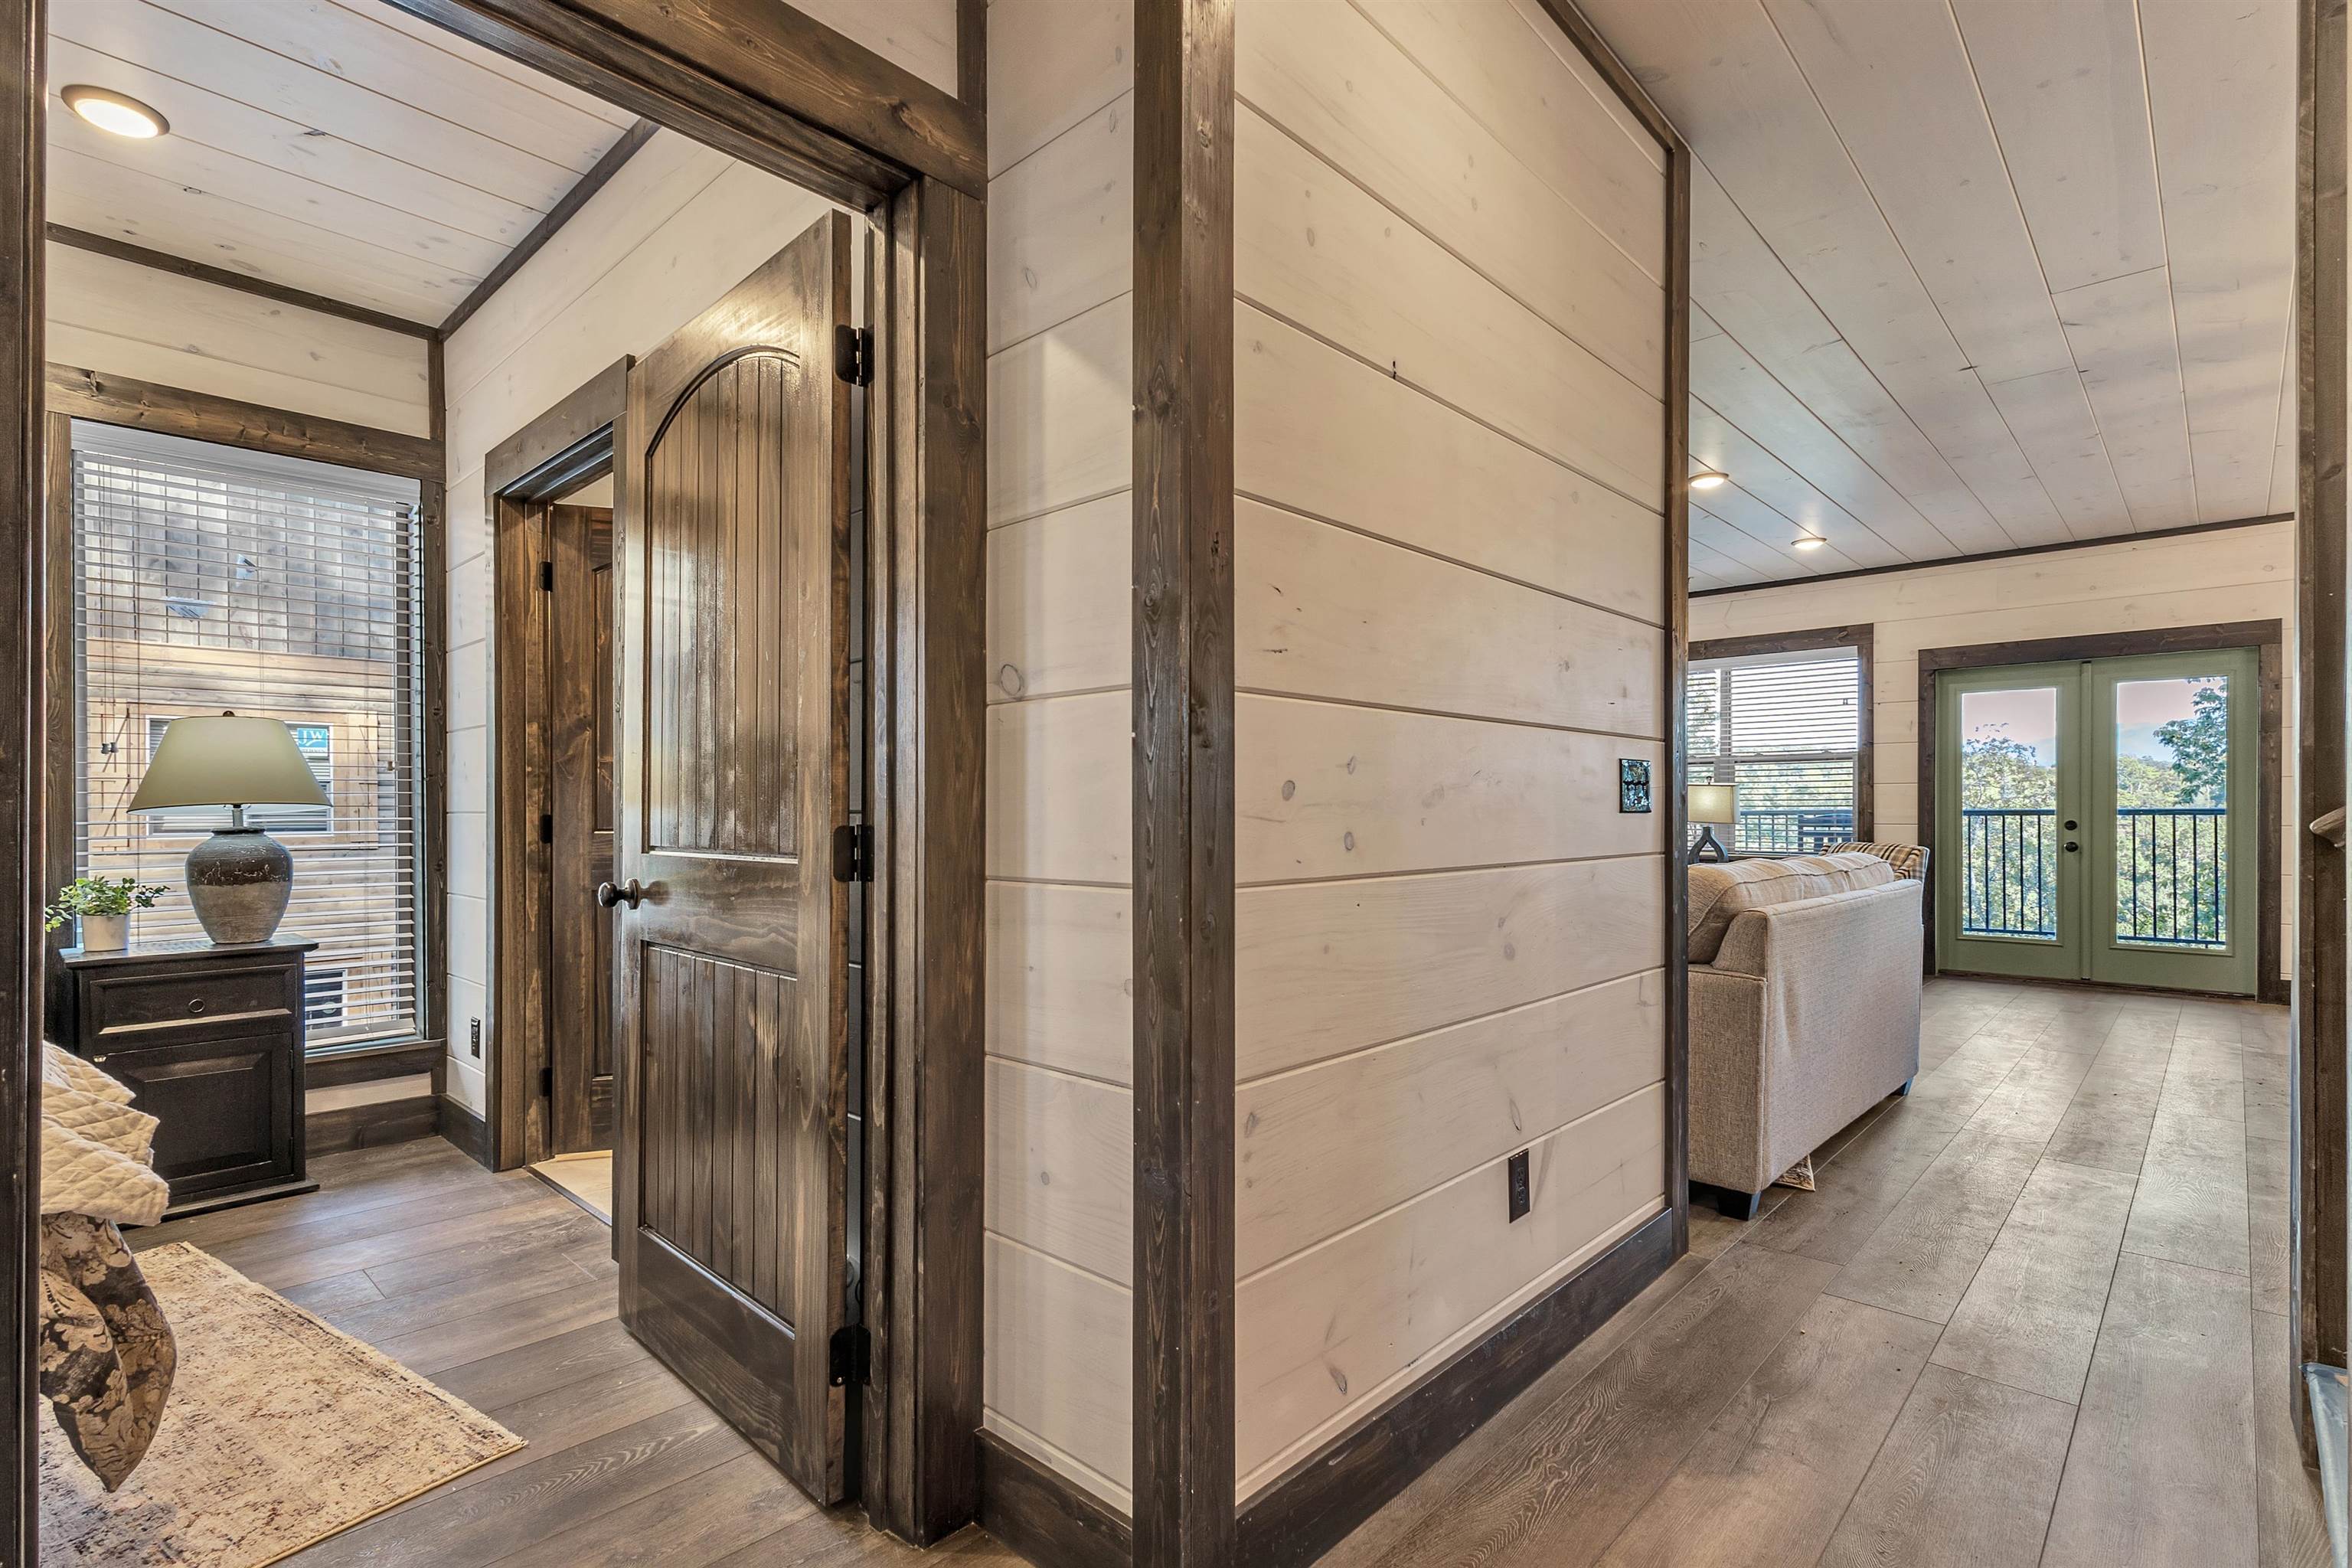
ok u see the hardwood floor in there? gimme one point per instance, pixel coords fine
(2033, 1314)
(501, 1291)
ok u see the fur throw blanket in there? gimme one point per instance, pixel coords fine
(106, 1351)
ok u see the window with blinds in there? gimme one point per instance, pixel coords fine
(210, 578)
(1785, 728)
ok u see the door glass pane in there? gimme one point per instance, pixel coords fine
(2009, 809)
(2172, 812)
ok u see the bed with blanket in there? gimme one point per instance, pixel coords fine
(106, 1354)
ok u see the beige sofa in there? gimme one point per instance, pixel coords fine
(1804, 1010)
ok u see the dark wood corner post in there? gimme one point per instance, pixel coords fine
(22, 696)
(1678, 900)
(2319, 1274)
(926, 571)
(1183, 1475)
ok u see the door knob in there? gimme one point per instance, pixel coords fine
(2071, 847)
(628, 893)
(2069, 827)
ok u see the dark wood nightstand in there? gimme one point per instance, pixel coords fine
(209, 1039)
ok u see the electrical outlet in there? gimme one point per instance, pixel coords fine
(1522, 1194)
(478, 1037)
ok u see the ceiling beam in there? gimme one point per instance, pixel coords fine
(301, 298)
(587, 185)
(1981, 557)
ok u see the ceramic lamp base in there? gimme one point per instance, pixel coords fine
(1708, 849)
(239, 881)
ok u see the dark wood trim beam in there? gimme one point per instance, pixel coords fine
(780, 55)
(1984, 556)
(681, 72)
(1312, 1509)
(1620, 76)
(925, 571)
(550, 222)
(1677, 671)
(432, 503)
(24, 697)
(201, 416)
(1046, 1517)
(224, 277)
(372, 1126)
(563, 445)
(2322, 1011)
(64, 740)
(466, 1132)
(330, 1069)
(2265, 637)
(971, 55)
(1183, 784)
(1862, 638)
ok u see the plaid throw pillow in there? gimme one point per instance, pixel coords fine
(1908, 859)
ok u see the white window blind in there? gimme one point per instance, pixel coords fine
(210, 578)
(1785, 728)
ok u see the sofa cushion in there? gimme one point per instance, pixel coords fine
(1721, 891)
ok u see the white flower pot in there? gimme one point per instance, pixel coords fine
(105, 933)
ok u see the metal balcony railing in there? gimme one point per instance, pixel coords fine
(2171, 874)
(1791, 831)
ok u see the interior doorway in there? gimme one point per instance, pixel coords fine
(2097, 820)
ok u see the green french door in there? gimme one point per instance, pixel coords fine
(2095, 820)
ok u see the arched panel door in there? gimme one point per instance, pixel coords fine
(731, 946)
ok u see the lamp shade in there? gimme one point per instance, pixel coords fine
(224, 760)
(1712, 802)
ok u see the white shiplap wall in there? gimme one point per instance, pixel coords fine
(1060, 1140)
(2230, 574)
(117, 316)
(675, 229)
(1449, 591)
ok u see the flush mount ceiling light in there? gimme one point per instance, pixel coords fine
(114, 111)
(1807, 541)
(1709, 479)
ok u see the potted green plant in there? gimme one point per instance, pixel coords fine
(102, 905)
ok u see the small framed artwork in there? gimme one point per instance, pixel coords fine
(1633, 783)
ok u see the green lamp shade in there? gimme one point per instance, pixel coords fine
(224, 760)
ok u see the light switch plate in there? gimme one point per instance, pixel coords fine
(1633, 783)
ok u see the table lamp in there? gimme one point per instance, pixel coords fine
(1707, 804)
(238, 880)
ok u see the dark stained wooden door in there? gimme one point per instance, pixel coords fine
(580, 732)
(731, 984)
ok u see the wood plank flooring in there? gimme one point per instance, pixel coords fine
(2030, 1316)
(2033, 1314)
(503, 1292)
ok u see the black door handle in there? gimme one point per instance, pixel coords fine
(628, 893)
(2069, 827)
(2071, 847)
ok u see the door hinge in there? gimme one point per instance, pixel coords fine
(547, 576)
(852, 853)
(852, 1352)
(547, 1083)
(852, 354)
(546, 828)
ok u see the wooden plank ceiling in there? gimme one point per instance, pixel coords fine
(347, 149)
(1974, 274)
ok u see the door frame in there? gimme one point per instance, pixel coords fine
(781, 91)
(775, 88)
(2267, 638)
(566, 446)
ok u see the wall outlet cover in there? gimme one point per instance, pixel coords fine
(1633, 783)
(1522, 1194)
(476, 1041)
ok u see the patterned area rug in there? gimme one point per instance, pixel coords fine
(280, 1432)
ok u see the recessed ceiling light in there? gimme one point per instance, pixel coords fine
(114, 111)
(1709, 479)
(1807, 541)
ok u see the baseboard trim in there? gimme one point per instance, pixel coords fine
(1046, 1517)
(1328, 1494)
(370, 1126)
(468, 1132)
